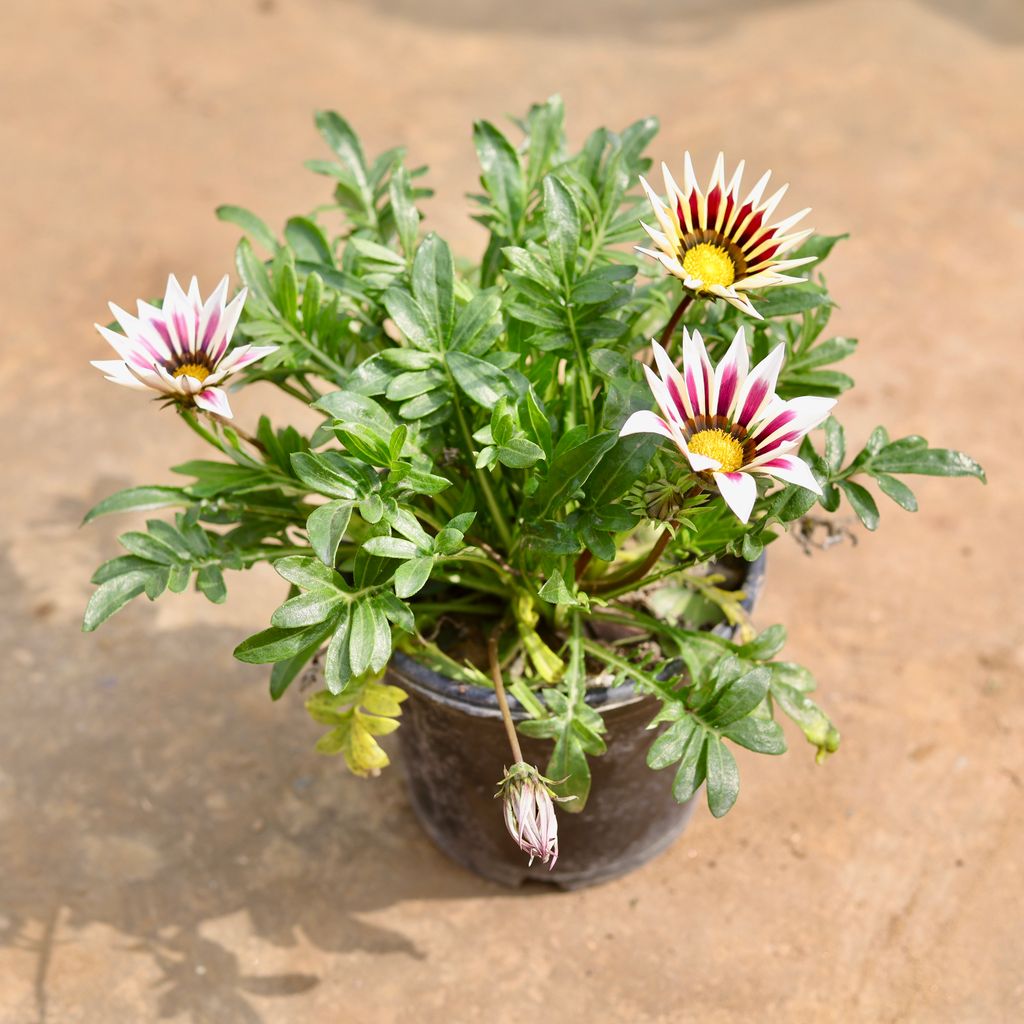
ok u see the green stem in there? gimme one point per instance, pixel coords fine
(323, 357)
(482, 480)
(586, 385)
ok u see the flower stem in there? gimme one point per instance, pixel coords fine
(499, 689)
(684, 305)
(640, 571)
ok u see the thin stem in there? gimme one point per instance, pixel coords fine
(189, 417)
(684, 305)
(586, 385)
(582, 562)
(499, 689)
(482, 480)
(640, 571)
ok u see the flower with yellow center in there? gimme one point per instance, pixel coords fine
(718, 244)
(181, 349)
(727, 421)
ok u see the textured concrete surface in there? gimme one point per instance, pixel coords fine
(170, 845)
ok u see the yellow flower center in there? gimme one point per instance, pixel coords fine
(710, 263)
(717, 444)
(195, 370)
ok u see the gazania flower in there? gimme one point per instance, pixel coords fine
(530, 812)
(717, 244)
(728, 422)
(181, 349)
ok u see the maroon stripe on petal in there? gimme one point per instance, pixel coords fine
(673, 390)
(751, 229)
(755, 397)
(714, 201)
(763, 258)
(783, 462)
(211, 328)
(727, 390)
(780, 421)
(691, 390)
(161, 328)
(782, 439)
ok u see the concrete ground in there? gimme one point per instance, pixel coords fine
(170, 845)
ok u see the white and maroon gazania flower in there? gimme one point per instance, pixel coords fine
(181, 349)
(718, 244)
(728, 422)
(530, 812)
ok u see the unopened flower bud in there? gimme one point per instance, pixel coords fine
(530, 812)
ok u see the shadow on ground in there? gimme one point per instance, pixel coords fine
(998, 21)
(148, 784)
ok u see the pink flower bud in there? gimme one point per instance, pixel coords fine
(530, 812)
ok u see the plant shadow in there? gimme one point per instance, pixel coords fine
(148, 784)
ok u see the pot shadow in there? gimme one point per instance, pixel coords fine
(148, 784)
(997, 21)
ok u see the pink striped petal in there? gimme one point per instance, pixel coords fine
(672, 379)
(739, 491)
(697, 374)
(731, 375)
(759, 387)
(214, 400)
(646, 423)
(244, 355)
(789, 468)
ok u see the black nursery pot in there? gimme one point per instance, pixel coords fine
(454, 751)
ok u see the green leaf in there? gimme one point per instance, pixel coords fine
(502, 174)
(762, 735)
(904, 457)
(138, 499)
(284, 672)
(766, 645)
(361, 637)
(113, 595)
(326, 527)
(555, 591)
(308, 573)
(835, 444)
(411, 319)
(692, 767)
(433, 284)
(306, 609)
(897, 490)
(723, 777)
(322, 476)
(343, 140)
(569, 471)
(411, 576)
(249, 223)
(308, 241)
(813, 722)
(407, 217)
(483, 382)
(276, 644)
(668, 748)
(862, 502)
(391, 547)
(561, 226)
(737, 699)
(210, 582)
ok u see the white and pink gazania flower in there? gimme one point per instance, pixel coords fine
(718, 244)
(181, 350)
(728, 422)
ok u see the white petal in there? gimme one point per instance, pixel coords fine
(116, 372)
(214, 400)
(646, 423)
(697, 373)
(731, 375)
(661, 211)
(759, 389)
(791, 469)
(701, 463)
(673, 381)
(784, 422)
(244, 355)
(739, 491)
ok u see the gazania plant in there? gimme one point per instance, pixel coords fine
(543, 474)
